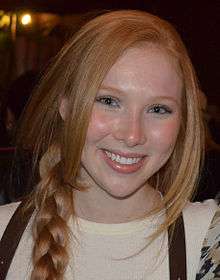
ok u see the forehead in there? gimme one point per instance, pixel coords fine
(145, 67)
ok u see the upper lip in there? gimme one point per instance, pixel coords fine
(125, 154)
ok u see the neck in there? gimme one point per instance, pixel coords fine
(107, 209)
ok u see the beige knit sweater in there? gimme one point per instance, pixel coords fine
(113, 251)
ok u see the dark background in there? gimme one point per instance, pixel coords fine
(198, 22)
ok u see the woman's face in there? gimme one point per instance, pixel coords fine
(134, 124)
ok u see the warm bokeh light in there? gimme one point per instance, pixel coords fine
(26, 19)
(5, 20)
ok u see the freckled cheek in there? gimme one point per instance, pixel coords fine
(164, 136)
(100, 125)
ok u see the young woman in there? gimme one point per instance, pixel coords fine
(116, 129)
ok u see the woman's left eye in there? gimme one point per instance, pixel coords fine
(160, 109)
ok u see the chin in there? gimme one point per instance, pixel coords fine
(120, 194)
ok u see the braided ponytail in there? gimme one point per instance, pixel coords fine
(54, 206)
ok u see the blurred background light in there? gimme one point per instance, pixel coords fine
(26, 19)
(5, 20)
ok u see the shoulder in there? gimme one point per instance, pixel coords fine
(206, 205)
(6, 212)
(197, 218)
(200, 214)
(209, 266)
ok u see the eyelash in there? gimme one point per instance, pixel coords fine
(108, 100)
(156, 108)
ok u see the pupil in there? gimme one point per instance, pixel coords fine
(108, 101)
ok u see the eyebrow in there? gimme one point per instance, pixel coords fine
(109, 88)
(160, 97)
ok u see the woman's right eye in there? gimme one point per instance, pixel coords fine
(108, 101)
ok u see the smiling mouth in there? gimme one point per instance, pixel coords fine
(122, 159)
(124, 163)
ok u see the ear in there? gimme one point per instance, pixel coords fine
(63, 108)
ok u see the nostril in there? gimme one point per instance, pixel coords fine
(130, 130)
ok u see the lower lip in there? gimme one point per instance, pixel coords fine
(123, 168)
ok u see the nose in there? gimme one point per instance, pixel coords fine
(130, 130)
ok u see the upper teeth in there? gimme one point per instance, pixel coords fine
(122, 160)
